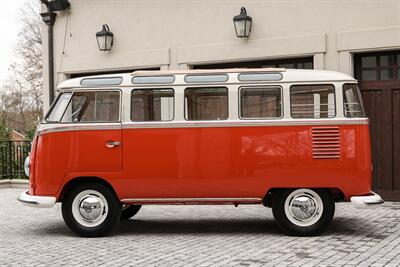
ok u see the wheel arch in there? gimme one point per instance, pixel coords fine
(84, 179)
(336, 193)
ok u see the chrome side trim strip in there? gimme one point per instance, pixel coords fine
(241, 123)
(191, 200)
(60, 127)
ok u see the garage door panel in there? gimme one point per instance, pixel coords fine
(381, 95)
(374, 103)
(396, 138)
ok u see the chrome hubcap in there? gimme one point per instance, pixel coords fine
(304, 207)
(90, 207)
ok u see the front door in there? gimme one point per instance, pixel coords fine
(96, 140)
(379, 76)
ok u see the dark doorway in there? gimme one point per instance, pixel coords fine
(83, 74)
(379, 77)
(288, 63)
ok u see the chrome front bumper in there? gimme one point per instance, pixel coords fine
(365, 202)
(36, 201)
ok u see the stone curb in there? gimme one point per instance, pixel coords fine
(14, 183)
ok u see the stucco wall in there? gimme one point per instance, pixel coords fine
(174, 34)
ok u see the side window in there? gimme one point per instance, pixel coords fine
(312, 101)
(152, 105)
(352, 101)
(260, 103)
(206, 103)
(93, 107)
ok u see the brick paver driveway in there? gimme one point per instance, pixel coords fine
(198, 236)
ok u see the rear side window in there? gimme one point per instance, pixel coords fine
(352, 101)
(152, 105)
(101, 106)
(256, 103)
(206, 103)
(312, 101)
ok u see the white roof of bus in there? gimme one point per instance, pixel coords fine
(288, 75)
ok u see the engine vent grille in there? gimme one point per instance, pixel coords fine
(326, 142)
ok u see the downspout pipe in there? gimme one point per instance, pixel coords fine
(49, 18)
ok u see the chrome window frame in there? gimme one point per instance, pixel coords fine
(261, 87)
(205, 87)
(358, 92)
(73, 91)
(160, 121)
(312, 84)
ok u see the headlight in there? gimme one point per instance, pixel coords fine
(27, 165)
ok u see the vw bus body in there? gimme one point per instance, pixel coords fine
(293, 140)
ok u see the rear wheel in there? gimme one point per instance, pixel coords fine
(128, 211)
(303, 212)
(91, 210)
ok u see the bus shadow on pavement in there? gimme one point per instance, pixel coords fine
(198, 226)
(225, 226)
(255, 226)
(350, 227)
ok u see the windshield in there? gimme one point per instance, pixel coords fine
(58, 108)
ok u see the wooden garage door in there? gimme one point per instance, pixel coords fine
(379, 76)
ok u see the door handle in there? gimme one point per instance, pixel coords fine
(111, 144)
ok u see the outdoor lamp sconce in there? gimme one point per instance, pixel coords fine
(242, 24)
(105, 38)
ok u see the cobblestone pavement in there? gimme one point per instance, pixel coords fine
(198, 236)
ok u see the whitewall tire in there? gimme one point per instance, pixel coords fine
(303, 211)
(91, 210)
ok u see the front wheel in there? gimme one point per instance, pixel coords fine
(303, 212)
(91, 210)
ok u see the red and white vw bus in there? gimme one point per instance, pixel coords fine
(293, 140)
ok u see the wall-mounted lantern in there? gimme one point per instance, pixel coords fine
(242, 24)
(105, 38)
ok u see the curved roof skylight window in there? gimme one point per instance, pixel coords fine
(206, 78)
(101, 81)
(272, 76)
(153, 79)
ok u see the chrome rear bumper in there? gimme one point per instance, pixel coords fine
(36, 201)
(365, 202)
